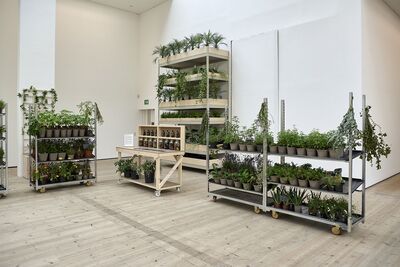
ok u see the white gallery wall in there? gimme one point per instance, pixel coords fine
(381, 78)
(9, 24)
(97, 59)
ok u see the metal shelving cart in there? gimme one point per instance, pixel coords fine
(198, 156)
(261, 201)
(35, 163)
(4, 147)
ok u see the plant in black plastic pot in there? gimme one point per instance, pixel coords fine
(149, 169)
(125, 166)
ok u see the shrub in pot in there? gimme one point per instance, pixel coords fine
(149, 168)
(277, 197)
(311, 143)
(282, 142)
(43, 151)
(231, 133)
(298, 198)
(53, 151)
(216, 174)
(293, 180)
(338, 182)
(70, 153)
(125, 167)
(257, 182)
(245, 178)
(274, 172)
(319, 142)
(314, 203)
(315, 177)
(62, 150)
(336, 144)
(291, 137)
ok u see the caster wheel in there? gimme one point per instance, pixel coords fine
(275, 215)
(178, 189)
(89, 183)
(336, 230)
(157, 193)
(42, 190)
(214, 198)
(257, 210)
(1, 196)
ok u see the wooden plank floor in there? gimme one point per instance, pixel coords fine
(125, 225)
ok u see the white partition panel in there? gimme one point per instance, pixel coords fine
(255, 76)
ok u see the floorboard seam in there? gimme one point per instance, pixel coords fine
(154, 233)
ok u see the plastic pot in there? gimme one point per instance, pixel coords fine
(258, 187)
(234, 146)
(229, 182)
(322, 153)
(43, 156)
(273, 149)
(315, 184)
(301, 151)
(226, 146)
(284, 180)
(63, 133)
(149, 177)
(49, 133)
(251, 148)
(75, 132)
(217, 180)
(242, 147)
(294, 181)
(311, 152)
(135, 175)
(223, 181)
(297, 209)
(291, 150)
(82, 132)
(56, 133)
(42, 132)
(53, 156)
(128, 173)
(238, 184)
(282, 149)
(303, 182)
(275, 179)
(69, 132)
(336, 153)
(62, 155)
(247, 187)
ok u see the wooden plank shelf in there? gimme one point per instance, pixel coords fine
(197, 77)
(191, 121)
(194, 104)
(196, 57)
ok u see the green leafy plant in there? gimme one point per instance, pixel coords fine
(2, 156)
(277, 195)
(149, 167)
(317, 140)
(299, 196)
(231, 131)
(373, 140)
(2, 105)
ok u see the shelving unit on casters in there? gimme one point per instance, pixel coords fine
(4, 145)
(351, 183)
(34, 159)
(198, 57)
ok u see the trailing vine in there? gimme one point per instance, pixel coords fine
(40, 99)
(372, 136)
(181, 85)
(203, 84)
(204, 128)
(160, 87)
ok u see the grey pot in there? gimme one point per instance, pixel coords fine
(336, 153)
(322, 153)
(63, 133)
(251, 148)
(56, 133)
(260, 148)
(311, 152)
(238, 184)
(62, 155)
(304, 210)
(82, 132)
(49, 133)
(303, 183)
(291, 150)
(294, 182)
(69, 132)
(229, 182)
(301, 151)
(75, 132)
(275, 179)
(247, 187)
(53, 156)
(42, 132)
(257, 187)
(217, 181)
(242, 147)
(234, 146)
(284, 180)
(43, 156)
(297, 209)
(223, 181)
(71, 157)
(273, 149)
(315, 184)
(282, 149)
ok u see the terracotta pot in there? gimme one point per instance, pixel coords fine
(282, 149)
(234, 146)
(273, 149)
(291, 150)
(301, 151)
(322, 153)
(311, 152)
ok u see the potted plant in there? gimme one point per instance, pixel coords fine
(311, 142)
(277, 197)
(229, 179)
(53, 151)
(2, 131)
(303, 172)
(328, 183)
(62, 150)
(243, 137)
(216, 173)
(257, 182)
(249, 139)
(314, 178)
(53, 173)
(259, 141)
(338, 182)
(298, 198)
(292, 140)
(293, 180)
(43, 151)
(287, 198)
(322, 145)
(2, 105)
(285, 174)
(336, 144)
(282, 142)
(149, 169)
(125, 166)
(70, 153)
(274, 173)
(237, 181)
(314, 203)
(300, 144)
(245, 178)
(223, 179)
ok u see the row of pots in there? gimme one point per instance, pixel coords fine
(238, 184)
(134, 175)
(77, 177)
(303, 209)
(62, 156)
(303, 183)
(63, 132)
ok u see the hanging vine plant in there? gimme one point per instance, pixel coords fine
(160, 87)
(181, 85)
(39, 98)
(203, 84)
(204, 128)
(373, 139)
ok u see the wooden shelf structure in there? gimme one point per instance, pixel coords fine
(160, 183)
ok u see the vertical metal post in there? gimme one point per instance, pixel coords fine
(95, 144)
(208, 115)
(158, 100)
(265, 158)
(6, 148)
(363, 175)
(350, 193)
(36, 148)
(282, 123)
(230, 82)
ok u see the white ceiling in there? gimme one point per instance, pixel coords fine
(135, 6)
(394, 4)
